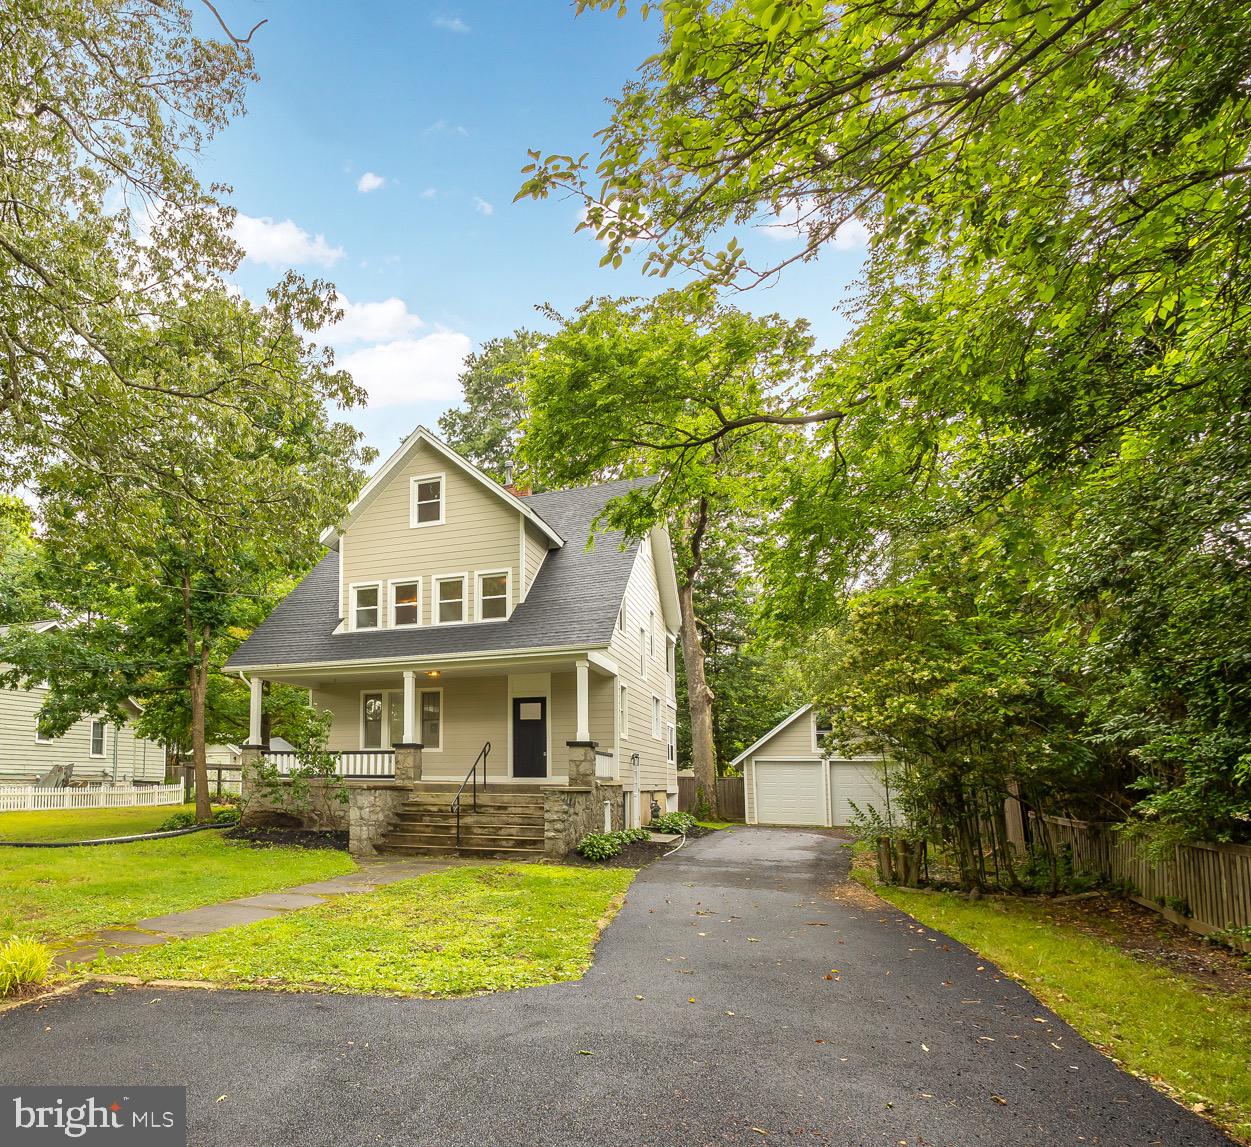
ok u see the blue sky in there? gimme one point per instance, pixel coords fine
(381, 150)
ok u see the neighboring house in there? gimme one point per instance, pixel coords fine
(451, 611)
(98, 750)
(788, 777)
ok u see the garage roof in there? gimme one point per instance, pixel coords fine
(747, 752)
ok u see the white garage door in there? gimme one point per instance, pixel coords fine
(855, 781)
(789, 792)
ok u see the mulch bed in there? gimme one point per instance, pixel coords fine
(637, 854)
(289, 837)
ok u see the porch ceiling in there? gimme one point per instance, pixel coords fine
(310, 678)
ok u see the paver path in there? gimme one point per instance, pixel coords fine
(247, 909)
(729, 944)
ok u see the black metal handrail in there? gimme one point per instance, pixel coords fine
(471, 776)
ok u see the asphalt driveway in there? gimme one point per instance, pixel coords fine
(769, 1011)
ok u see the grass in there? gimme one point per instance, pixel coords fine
(1157, 1024)
(450, 933)
(56, 894)
(85, 824)
(719, 823)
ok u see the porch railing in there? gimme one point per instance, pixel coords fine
(348, 763)
(605, 765)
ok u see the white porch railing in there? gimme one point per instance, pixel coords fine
(32, 798)
(356, 763)
(605, 766)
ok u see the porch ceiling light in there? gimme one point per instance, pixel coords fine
(432, 672)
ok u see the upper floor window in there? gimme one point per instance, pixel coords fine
(623, 710)
(670, 656)
(822, 727)
(651, 633)
(365, 606)
(656, 714)
(671, 744)
(642, 652)
(621, 618)
(406, 602)
(97, 737)
(492, 596)
(449, 599)
(425, 505)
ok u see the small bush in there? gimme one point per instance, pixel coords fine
(679, 822)
(226, 816)
(184, 818)
(599, 845)
(631, 835)
(22, 961)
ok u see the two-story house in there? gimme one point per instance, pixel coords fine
(454, 621)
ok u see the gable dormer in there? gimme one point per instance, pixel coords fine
(433, 541)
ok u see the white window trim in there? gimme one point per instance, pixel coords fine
(390, 697)
(507, 575)
(651, 633)
(671, 743)
(40, 739)
(657, 717)
(642, 652)
(816, 735)
(391, 622)
(435, 582)
(351, 617)
(413, 523)
(104, 738)
(622, 620)
(417, 718)
(623, 708)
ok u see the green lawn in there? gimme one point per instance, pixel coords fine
(1158, 1024)
(451, 933)
(59, 893)
(85, 824)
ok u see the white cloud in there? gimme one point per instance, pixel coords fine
(429, 193)
(450, 24)
(370, 182)
(789, 224)
(443, 127)
(282, 244)
(410, 370)
(482, 207)
(373, 322)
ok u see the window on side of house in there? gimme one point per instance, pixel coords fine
(642, 652)
(671, 657)
(365, 606)
(671, 744)
(621, 618)
(406, 602)
(623, 709)
(651, 633)
(655, 717)
(492, 596)
(372, 707)
(97, 737)
(431, 731)
(449, 599)
(425, 501)
(823, 726)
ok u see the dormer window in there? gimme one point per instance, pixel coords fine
(365, 606)
(493, 596)
(425, 506)
(449, 599)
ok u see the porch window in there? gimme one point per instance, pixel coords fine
(97, 737)
(432, 718)
(655, 717)
(406, 602)
(492, 596)
(372, 705)
(426, 501)
(365, 606)
(449, 599)
(623, 709)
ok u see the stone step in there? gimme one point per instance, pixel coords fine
(521, 788)
(442, 816)
(493, 807)
(411, 834)
(464, 850)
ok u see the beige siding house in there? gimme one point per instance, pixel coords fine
(790, 778)
(453, 618)
(97, 750)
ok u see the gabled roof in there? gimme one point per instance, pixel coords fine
(33, 626)
(573, 602)
(747, 752)
(418, 437)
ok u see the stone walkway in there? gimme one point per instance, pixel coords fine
(249, 909)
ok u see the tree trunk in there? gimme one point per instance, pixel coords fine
(699, 701)
(197, 687)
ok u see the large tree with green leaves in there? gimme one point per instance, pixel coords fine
(629, 387)
(164, 546)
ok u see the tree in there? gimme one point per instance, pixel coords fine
(487, 429)
(165, 544)
(625, 388)
(103, 223)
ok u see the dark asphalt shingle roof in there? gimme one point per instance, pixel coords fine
(574, 600)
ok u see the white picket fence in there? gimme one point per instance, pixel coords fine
(30, 798)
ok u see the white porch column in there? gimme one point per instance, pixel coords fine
(410, 707)
(584, 701)
(254, 710)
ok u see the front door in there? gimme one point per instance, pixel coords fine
(529, 736)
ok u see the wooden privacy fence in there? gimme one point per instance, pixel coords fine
(732, 805)
(1207, 887)
(31, 798)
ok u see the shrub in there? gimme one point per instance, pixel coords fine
(630, 835)
(679, 822)
(22, 961)
(599, 845)
(228, 815)
(184, 818)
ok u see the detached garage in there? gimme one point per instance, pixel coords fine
(786, 780)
